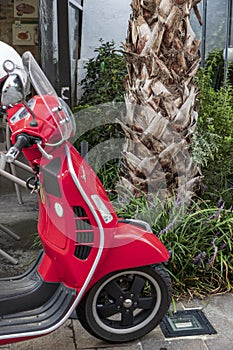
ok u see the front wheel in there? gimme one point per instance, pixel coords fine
(126, 305)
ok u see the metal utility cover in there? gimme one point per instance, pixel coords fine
(186, 323)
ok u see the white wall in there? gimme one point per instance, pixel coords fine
(106, 19)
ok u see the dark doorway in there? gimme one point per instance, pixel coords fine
(60, 24)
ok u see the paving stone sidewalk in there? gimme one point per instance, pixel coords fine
(71, 336)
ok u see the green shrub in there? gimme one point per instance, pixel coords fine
(213, 143)
(100, 106)
(216, 109)
(202, 255)
(200, 239)
(97, 124)
(105, 76)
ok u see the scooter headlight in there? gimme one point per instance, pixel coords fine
(104, 212)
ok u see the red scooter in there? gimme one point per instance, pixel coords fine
(106, 270)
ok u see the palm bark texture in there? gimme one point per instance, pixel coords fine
(162, 55)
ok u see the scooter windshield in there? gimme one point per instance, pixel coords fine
(56, 108)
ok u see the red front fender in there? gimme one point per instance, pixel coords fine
(132, 247)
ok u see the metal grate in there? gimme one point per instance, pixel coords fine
(82, 252)
(84, 233)
(85, 237)
(79, 212)
(83, 225)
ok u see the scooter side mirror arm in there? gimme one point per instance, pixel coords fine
(43, 152)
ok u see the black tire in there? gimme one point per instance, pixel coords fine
(126, 305)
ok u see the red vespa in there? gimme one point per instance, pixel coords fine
(107, 271)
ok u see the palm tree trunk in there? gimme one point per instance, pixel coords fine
(162, 56)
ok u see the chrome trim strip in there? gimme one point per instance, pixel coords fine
(92, 271)
(76, 4)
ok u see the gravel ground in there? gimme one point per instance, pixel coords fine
(21, 220)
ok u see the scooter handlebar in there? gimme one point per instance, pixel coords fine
(22, 141)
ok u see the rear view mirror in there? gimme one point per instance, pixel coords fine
(12, 91)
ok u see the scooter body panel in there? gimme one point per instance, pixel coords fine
(71, 234)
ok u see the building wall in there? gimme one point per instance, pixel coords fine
(107, 19)
(102, 19)
(8, 19)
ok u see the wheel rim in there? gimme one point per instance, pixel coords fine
(126, 302)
